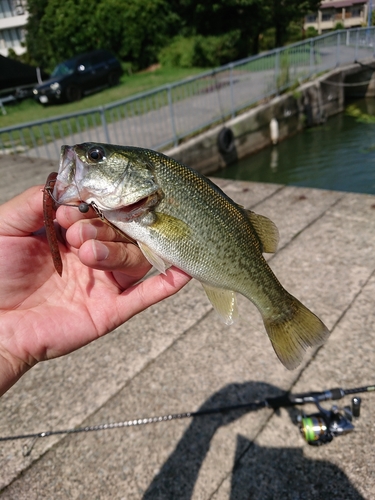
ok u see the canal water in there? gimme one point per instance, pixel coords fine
(338, 155)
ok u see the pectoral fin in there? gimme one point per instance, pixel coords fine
(153, 259)
(223, 301)
(266, 231)
(170, 227)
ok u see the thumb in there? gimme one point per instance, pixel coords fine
(23, 214)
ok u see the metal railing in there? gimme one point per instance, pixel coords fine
(162, 117)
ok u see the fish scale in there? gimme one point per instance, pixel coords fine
(179, 217)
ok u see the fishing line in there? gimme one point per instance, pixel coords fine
(284, 401)
(83, 207)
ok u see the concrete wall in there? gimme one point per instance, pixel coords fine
(308, 105)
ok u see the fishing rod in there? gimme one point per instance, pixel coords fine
(318, 428)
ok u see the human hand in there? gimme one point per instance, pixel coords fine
(43, 315)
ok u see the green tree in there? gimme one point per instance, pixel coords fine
(36, 10)
(224, 30)
(199, 32)
(221, 17)
(284, 12)
(134, 30)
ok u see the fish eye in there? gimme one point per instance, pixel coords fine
(96, 153)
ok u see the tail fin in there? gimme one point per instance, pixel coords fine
(295, 330)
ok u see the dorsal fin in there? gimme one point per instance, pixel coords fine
(266, 231)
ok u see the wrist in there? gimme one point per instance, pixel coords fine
(11, 370)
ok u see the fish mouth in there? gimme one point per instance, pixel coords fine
(76, 183)
(125, 213)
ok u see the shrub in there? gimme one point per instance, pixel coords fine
(201, 51)
(311, 32)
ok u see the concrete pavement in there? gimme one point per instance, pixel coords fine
(177, 356)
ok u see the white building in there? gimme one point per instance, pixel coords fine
(13, 19)
(349, 13)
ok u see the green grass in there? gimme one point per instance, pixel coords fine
(30, 110)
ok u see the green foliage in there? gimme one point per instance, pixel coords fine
(23, 58)
(217, 50)
(285, 21)
(311, 32)
(200, 51)
(294, 32)
(180, 53)
(134, 30)
(267, 39)
(285, 12)
(203, 32)
(12, 54)
(339, 26)
(359, 115)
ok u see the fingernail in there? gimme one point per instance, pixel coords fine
(87, 232)
(101, 252)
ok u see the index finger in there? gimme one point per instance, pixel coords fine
(66, 216)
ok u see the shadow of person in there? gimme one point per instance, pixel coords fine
(286, 474)
(258, 473)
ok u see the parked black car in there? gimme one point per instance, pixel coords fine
(82, 74)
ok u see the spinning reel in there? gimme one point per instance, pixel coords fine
(321, 427)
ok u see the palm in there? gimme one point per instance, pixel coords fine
(44, 315)
(72, 309)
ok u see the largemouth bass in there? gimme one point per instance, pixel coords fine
(178, 217)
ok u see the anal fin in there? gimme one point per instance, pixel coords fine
(223, 301)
